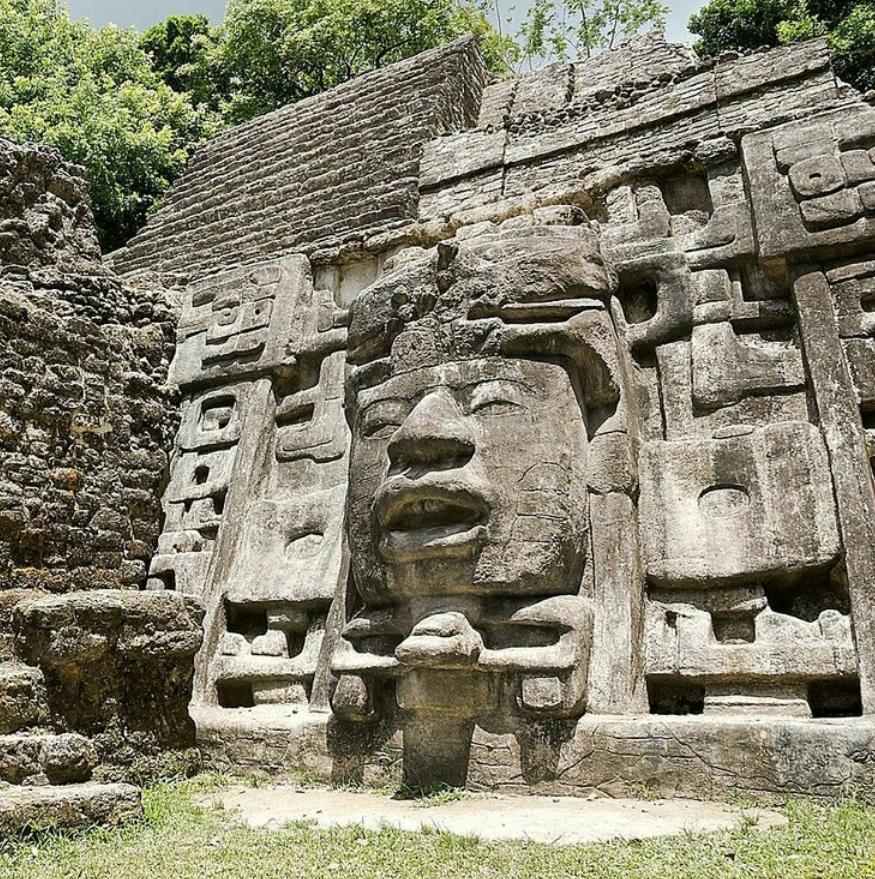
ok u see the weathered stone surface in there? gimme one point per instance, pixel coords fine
(69, 807)
(22, 697)
(517, 420)
(86, 418)
(85, 414)
(115, 656)
(744, 507)
(565, 458)
(46, 759)
(45, 215)
(695, 757)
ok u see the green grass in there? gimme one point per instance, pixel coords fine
(428, 796)
(178, 840)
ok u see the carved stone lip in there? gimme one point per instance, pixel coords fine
(430, 520)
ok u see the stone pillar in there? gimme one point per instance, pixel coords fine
(842, 428)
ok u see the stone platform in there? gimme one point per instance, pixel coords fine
(666, 756)
(68, 807)
(551, 820)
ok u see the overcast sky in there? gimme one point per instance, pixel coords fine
(142, 13)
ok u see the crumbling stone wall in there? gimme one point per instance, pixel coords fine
(95, 674)
(86, 415)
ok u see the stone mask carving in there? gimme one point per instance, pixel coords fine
(480, 373)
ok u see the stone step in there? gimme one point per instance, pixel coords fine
(22, 697)
(36, 759)
(68, 807)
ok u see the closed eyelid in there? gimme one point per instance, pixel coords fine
(498, 392)
(485, 383)
(384, 409)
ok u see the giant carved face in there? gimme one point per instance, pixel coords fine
(468, 477)
(468, 465)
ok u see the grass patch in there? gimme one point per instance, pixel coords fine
(431, 795)
(179, 840)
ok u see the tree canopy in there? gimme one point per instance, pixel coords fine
(95, 96)
(847, 25)
(279, 51)
(131, 107)
(563, 29)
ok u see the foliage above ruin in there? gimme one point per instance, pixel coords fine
(847, 25)
(571, 29)
(276, 52)
(95, 96)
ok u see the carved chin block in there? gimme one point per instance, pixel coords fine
(353, 699)
(448, 693)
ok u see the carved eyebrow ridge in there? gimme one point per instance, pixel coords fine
(469, 384)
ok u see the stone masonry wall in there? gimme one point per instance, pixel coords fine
(336, 169)
(95, 675)
(86, 416)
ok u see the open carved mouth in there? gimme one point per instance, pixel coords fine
(427, 521)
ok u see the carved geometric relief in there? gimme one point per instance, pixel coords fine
(755, 504)
(813, 183)
(240, 323)
(746, 657)
(255, 503)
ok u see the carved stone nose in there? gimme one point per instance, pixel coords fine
(435, 431)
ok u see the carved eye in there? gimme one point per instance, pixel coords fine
(496, 398)
(379, 429)
(381, 420)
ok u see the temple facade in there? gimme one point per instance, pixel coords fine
(523, 428)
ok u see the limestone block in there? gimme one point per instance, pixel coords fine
(213, 419)
(656, 298)
(542, 90)
(755, 504)
(241, 322)
(849, 457)
(8, 599)
(860, 354)
(754, 71)
(69, 807)
(52, 759)
(87, 627)
(683, 420)
(728, 367)
(810, 182)
(683, 641)
(115, 658)
(727, 235)
(183, 572)
(462, 195)
(793, 98)
(22, 697)
(853, 288)
(310, 423)
(461, 155)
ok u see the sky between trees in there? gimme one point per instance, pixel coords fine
(144, 14)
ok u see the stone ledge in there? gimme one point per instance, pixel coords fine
(22, 697)
(690, 757)
(67, 808)
(35, 759)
